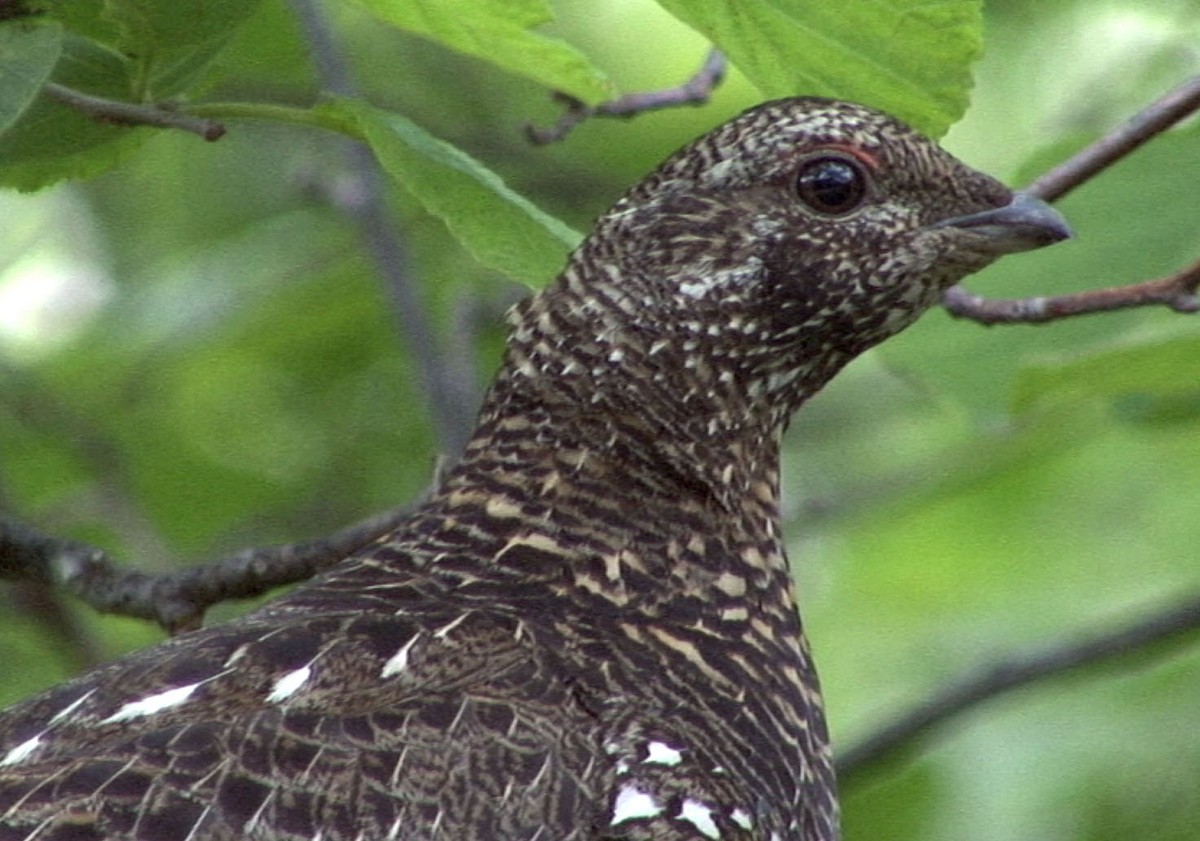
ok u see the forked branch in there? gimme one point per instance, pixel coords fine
(695, 91)
(1176, 291)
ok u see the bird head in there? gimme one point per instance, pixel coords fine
(759, 259)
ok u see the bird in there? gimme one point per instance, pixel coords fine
(589, 630)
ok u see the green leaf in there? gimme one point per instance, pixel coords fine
(1152, 378)
(126, 50)
(910, 58)
(501, 229)
(498, 31)
(27, 58)
(51, 141)
(172, 42)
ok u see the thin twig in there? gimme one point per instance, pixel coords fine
(1177, 291)
(1147, 124)
(893, 741)
(131, 114)
(448, 384)
(695, 91)
(176, 600)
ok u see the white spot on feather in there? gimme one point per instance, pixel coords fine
(660, 753)
(289, 685)
(699, 815)
(152, 704)
(398, 661)
(742, 818)
(633, 803)
(22, 751)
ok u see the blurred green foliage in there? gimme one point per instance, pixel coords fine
(196, 356)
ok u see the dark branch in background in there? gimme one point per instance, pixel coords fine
(130, 114)
(44, 605)
(1177, 291)
(450, 386)
(1155, 635)
(177, 600)
(695, 91)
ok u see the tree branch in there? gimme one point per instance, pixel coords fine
(1143, 126)
(448, 383)
(131, 114)
(894, 741)
(46, 607)
(176, 600)
(695, 91)
(1177, 291)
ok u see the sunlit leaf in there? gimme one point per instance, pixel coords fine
(911, 58)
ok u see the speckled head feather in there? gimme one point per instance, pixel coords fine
(588, 633)
(713, 295)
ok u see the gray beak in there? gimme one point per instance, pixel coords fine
(1023, 224)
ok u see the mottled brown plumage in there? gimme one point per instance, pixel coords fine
(589, 631)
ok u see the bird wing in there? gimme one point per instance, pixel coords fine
(355, 725)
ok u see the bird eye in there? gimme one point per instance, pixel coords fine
(831, 185)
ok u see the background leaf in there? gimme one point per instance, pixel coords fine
(911, 58)
(126, 50)
(498, 31)
(502, 229)
(28, 54)
(51, 141)
(171, 42)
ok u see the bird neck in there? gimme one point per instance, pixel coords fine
(646, 477)
(612, 517)
(628, 450)
(672, 408)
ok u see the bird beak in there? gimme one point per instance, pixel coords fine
(1023, 224)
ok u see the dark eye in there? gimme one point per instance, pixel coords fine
(831, 185)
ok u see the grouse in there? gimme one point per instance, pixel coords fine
(589, 630)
